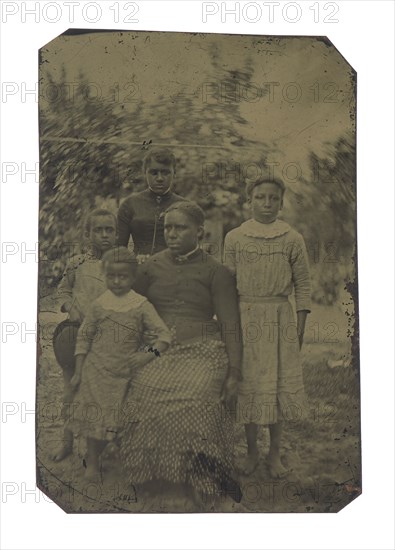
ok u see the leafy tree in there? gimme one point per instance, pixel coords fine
(91, 153)
(326, 210)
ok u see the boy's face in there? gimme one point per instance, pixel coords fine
(159, 177)
(119, 278)
(266, 202)
(102, 232)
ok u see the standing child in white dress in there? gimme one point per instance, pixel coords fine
(109, 350)
(269, 259)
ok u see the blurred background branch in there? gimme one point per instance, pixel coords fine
(91, 152)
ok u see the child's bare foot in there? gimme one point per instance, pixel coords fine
(250, 464)
(277, 469)
(63, 451)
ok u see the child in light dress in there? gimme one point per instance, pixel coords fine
(270, 260)
(109, 349)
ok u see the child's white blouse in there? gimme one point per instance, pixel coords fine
(269, 260)
(121, 304)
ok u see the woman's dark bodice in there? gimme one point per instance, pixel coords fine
(140, 216)
(187, 294)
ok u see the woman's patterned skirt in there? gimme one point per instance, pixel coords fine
(176, 428)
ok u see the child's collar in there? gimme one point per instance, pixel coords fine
(252, 228)
(124, 303)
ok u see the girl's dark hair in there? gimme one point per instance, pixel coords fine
(120, 255)
(190, 209)
(160, 154)
(98, 212)
(252, 184)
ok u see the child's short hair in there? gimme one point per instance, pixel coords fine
(252, 184)
(120, 255)
(98, 212)
(160, 154)
(190, 209)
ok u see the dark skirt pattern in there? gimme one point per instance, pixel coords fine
(177, 430)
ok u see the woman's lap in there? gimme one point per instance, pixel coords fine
(179, 432)
(185, 373)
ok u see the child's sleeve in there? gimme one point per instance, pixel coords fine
(229, 255)
(88, 332)
(66, 285)
(153, 325)
(301, 274)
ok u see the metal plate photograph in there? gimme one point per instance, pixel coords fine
(198, 346)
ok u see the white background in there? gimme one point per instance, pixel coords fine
(364, 35)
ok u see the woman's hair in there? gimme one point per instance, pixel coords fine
(98, 212)
(160, 154)
(119, 255)
(252, 184)
(190, 209)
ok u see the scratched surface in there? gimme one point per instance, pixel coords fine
(323, 448)
(198, 94)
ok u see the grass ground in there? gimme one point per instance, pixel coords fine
(323, 446)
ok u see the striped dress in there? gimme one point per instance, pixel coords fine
(270, 262)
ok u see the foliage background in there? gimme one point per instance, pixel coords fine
(94, 134)
(104, 96)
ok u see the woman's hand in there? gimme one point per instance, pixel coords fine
(141, 358)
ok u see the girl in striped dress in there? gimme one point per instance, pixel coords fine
(269, 259)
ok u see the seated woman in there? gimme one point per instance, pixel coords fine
(181, 437)
(141, 214)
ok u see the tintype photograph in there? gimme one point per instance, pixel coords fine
(198, 296)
